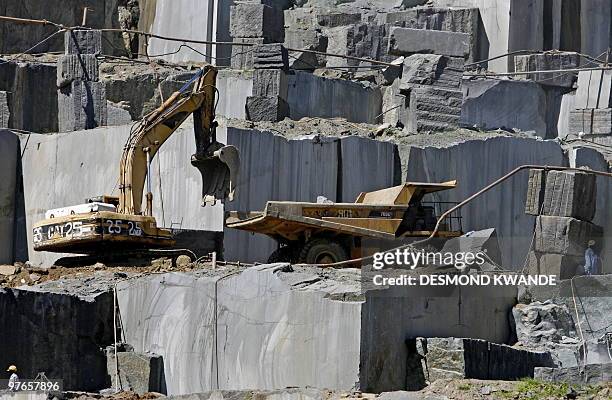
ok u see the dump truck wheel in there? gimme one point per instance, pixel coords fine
(282, 254)
(323, 251)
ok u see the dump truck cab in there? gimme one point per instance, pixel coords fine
(319, 233)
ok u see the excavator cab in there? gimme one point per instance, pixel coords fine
(120, 223)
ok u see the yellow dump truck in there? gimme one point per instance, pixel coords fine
(323, 233)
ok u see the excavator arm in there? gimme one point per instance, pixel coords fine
(217, 163)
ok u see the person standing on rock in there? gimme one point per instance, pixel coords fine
(592, 261)
(12, 384)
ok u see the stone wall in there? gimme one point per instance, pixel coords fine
(230, 332)
(270, 327)
(9, 158)
(15, 38)
(313, 96)
(301, 170)
(33, 99)
(475, 164)
(59, 334)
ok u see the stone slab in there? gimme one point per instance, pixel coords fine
(82, 105)
(83, 42)
(549, 61)
(465, 20)
(581, 121)
(535, 191)
(314, 96)
(406, 41)
(594, 89)
(487, 104)
(567, 105)
(564, 235)
(570, 194)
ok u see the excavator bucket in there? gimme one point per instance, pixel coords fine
(219, 174)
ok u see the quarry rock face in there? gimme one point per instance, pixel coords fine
(541, 323)
(527, 101)
(64, 333)
(9, 152)
(324, 99)
(253, 319)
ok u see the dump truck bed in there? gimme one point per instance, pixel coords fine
(289, 220)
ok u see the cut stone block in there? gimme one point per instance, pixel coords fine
(72, 67)
(359, 40)
(486, 103)
(590, 121)
(333, 20)
(564, 235)
(5, 113)
(266, 108)
(562, 266)
(82, 105)
(242, 56)
(138, 372)
(476, 242)
(590, 374)
(602, 121)
(270, 82)
(252, 20)
(449, 358)
(270, 56)
(570, 194)
(394, 105)
(405, 41)
(581, 121)
(419, 69)
(535, 191)
(309, 39)
(465, 20)
(594, 89)
(549, 61)
(83, 42)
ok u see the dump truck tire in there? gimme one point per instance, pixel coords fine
(322, 251)
(282, 254)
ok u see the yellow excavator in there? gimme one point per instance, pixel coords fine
(111, 225)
